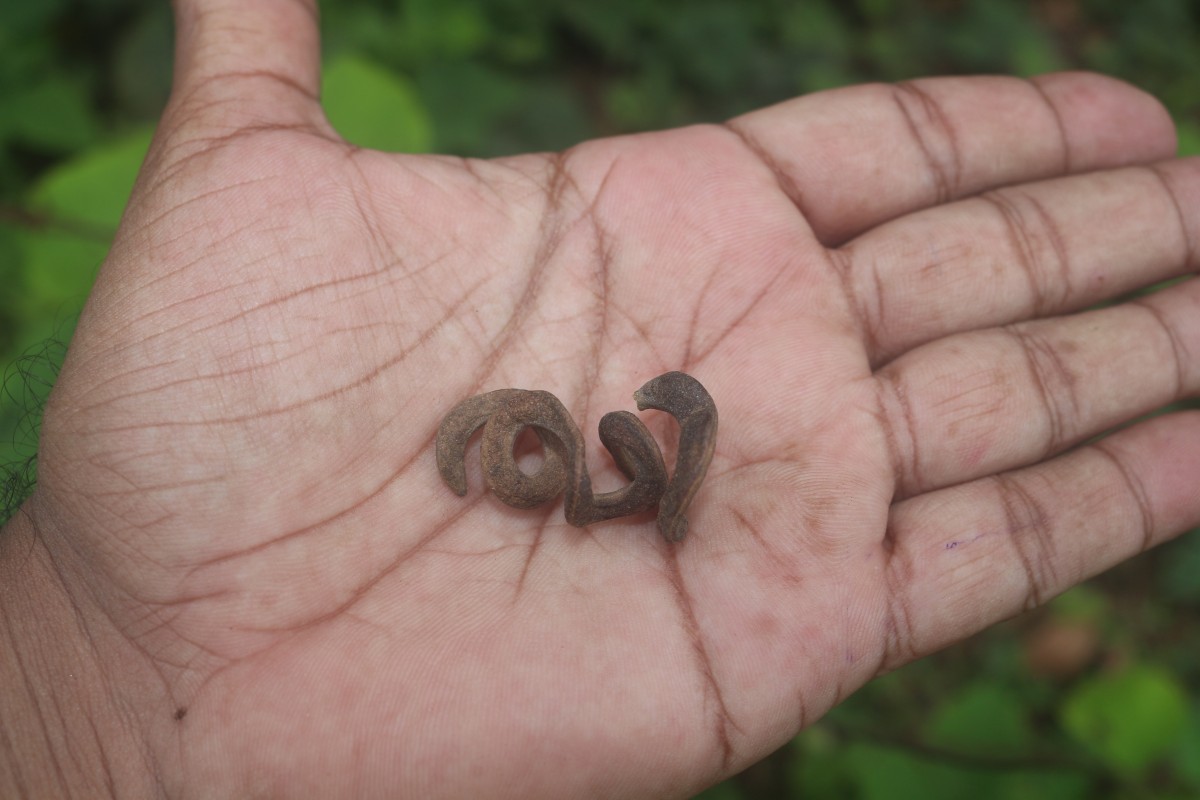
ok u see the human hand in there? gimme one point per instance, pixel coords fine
(243, 546)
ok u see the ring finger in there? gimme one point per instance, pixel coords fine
(981, 402)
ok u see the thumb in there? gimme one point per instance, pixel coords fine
(247, 63)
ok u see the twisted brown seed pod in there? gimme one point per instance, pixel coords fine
(504, 413)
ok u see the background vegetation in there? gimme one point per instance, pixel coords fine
(1095, 696)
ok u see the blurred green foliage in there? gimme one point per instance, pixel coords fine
(1095, 696)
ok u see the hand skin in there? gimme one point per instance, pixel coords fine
(240, 575)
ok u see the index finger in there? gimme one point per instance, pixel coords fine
(853, 158)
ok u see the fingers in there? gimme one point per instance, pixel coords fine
(967, 557)
(1022, 252)
(853, 158)
(247, 63)
(979, 403)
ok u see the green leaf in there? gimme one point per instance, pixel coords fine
(1130, 718)
(1034, 53)
(818, 765)
(435, 29)
(644, 100)
(1180, 569)
(550, 116)
(819, 36)
(893, 774)
(80, 203)
(883, 773)
(23, 19)
(877, 11)
(507, 115)
(468, 128)
(53, 115)
(373, 107)
(59, 271)
(722, 791)
(1044, 785)
(1189, 138)
(92, 189)
(984, 719)
(141, 70)
(712, 45)
(613, 28)
(1187, 751)
(1084, 603)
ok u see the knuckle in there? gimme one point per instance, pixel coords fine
(900, 431)
(1029, 527)
(934, 135)
(1054, 382)
(1037, 247)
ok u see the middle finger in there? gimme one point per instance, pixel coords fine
(1021, 252)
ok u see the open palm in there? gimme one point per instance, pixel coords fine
(238, 461)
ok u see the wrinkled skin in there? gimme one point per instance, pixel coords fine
(239, 507)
